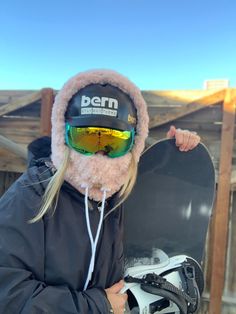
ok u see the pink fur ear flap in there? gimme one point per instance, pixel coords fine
(79, 81)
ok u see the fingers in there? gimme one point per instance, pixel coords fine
(117, 299)
(182, 139)
(186, 140)
(171, 132)
(117, 302)
(194, 142)
(116, 287)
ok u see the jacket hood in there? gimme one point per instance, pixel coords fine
(75, 175)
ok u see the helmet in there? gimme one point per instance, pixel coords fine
(65, 110)
(174, 285)
(101, 105)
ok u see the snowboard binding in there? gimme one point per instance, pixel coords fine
(172, 286)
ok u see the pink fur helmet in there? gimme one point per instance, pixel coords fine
(89, 170)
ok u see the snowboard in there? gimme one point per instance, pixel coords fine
(170, 206)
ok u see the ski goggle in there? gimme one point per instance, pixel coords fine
(90, 140)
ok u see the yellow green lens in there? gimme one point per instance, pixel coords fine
(90, 140)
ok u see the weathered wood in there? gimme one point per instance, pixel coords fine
(16, 92)
(208, 254)
(19, 123)
(21, 131)
(13, 147)
(150, 141)
(233, 180)
(19, 103)
(191, 107)
(222, 204)
(172, 98)
(232, 246)
(210, 114)
(7, 96)
(11, 163)
(46, 110)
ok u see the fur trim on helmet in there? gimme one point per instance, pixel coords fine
(78, 82)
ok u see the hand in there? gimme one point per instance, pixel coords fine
(116, 299)
(185, 139)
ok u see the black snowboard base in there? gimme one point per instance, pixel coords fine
(171, 204)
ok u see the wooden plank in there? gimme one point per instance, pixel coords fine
(220, 222)
(233, 180)
(19, 123)
(16, 92)
(46, 110)
(19, 103)
(21, 138)
(191, 107)
(13, 147)
(32, 110)
(7, 96)
(207, 114)
(20, 131)
(232, 255)
(208, 256)
(172, 98)
(11, 163)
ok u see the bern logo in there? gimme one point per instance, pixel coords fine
(96, 101)
(99, 106)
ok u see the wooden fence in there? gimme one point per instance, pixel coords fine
(25, 116)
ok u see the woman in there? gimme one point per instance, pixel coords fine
(61, 221)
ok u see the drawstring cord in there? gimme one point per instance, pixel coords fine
(92, 241)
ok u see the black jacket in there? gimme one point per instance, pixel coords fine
(43, 266)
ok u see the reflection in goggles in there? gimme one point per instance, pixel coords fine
(90, 140)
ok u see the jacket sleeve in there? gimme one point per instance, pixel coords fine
(22, 286)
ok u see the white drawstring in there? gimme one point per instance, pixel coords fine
(92, 241)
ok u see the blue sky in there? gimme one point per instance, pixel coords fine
(158, 44)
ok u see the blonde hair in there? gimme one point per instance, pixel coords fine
(129, 183)
(50, 197)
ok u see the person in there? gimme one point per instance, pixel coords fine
(61, 222)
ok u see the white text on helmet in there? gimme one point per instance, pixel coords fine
(97, 101)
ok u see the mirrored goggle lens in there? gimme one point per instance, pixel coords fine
(90, 140)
